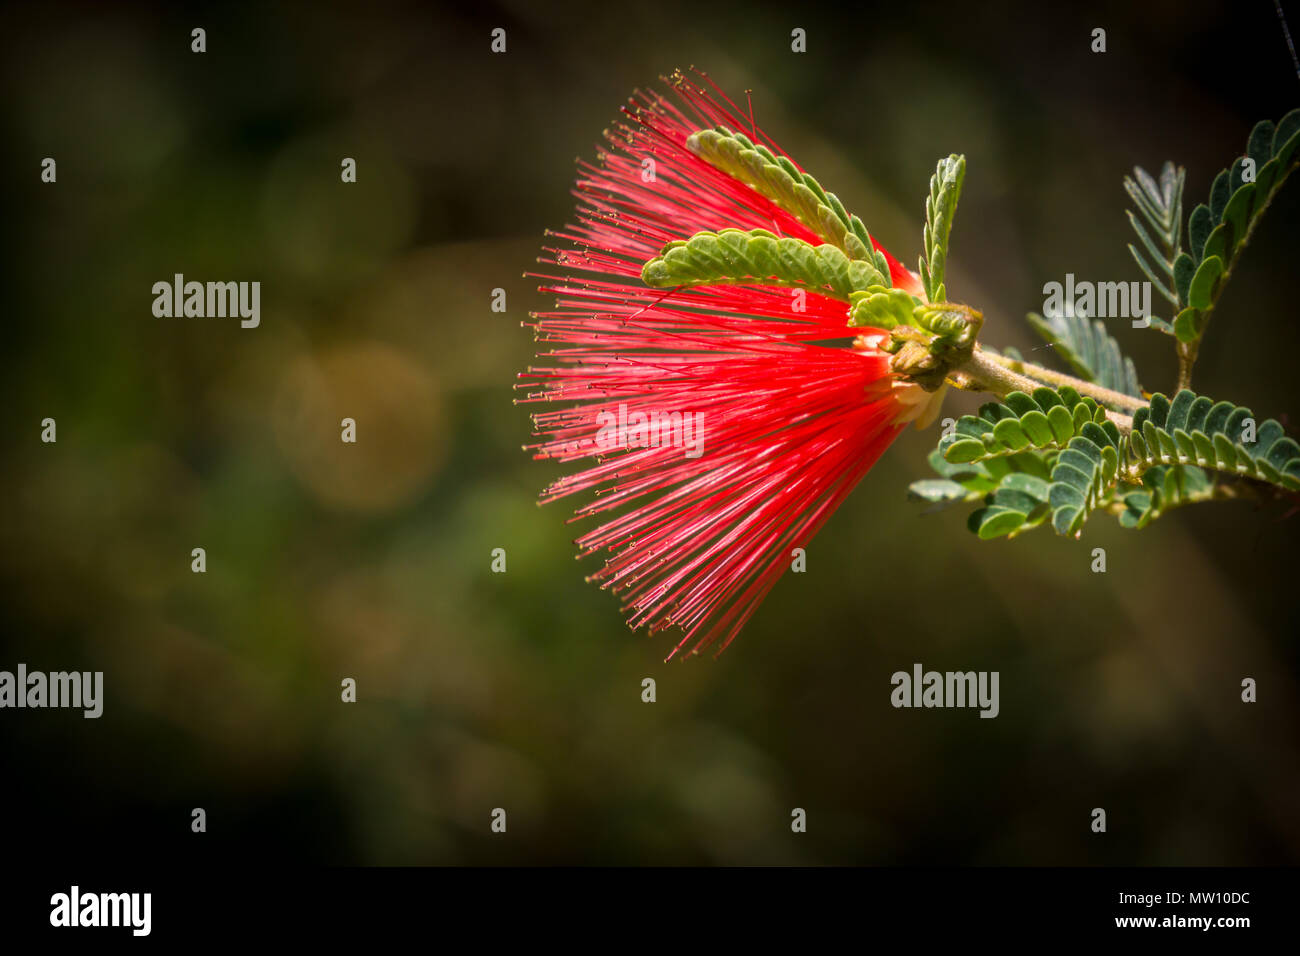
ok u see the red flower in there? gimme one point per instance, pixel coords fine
(724, 431)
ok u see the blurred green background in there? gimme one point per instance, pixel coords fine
(522, 690)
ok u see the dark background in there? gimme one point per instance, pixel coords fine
(522, 690)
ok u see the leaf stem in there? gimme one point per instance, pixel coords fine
(987, 372)
(1186, 359)
(1104, 396)
(1187, 351)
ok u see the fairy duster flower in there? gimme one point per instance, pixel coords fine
(712, 361)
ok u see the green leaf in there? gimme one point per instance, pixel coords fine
(940, 207)
(1236, 214)
(1015, 484)
(758, 257)
(1217, 231)
(1264, 181)
(881, 308)
(964, 450)
(1026, 483)
(1165, 487)
(1219, 192)
(1018, 504)
(1184, 269)
(1160, 205)
(1287, 127)
(797, 192)
(1089, 350)
(937, 489)
(1160, 325)
(975, 478)
(1259, 146)
(1083, 475)
(1217, 244)
(1286, 138)
(996, 521)
(1186, 325)
(1045, 420)
(1194, 430)
(1201, 292)
(1199, 226)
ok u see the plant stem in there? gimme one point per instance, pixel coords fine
(1186, 359)
(1104, 396)
(982, 372)
(986, 372)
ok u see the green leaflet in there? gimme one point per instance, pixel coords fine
(937, 490)
(1160, 205)
(796, 192)
(1049, 419)
(1019, 504)
(953, 325)
(1087, 348)
(1012, 489)
(1195, 430)
(1081, 466)
(974, 478)
(882, 308)
(1016, 454)
(1164, 487)
(1082, 476)
(1218, 230)
(952, 328)
(940, 207)
(758, 257)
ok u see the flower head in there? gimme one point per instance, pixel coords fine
(701, 345)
